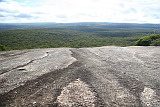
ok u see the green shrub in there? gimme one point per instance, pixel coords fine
(2, 48)
(152, 40)
(155, 42)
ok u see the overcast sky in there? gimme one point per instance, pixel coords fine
(65, 11)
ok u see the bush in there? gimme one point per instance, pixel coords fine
(152, 40)
(2, 48)
(155, 42)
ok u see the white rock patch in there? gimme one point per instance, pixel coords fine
(77, 94)
(149, 98)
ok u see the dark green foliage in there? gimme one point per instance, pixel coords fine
(2, 48)
(74, 35)
(47, 38)
(152, 40)
(155, 42)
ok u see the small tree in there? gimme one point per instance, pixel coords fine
(154, 31)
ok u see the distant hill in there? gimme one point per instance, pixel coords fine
(75, 35)
(83, 26)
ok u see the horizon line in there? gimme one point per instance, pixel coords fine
(77, 22)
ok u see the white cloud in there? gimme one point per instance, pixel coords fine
(137, 11)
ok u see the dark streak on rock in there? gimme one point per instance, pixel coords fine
(134, 86)
(61, 77)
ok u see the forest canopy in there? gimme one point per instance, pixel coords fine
(75, 35)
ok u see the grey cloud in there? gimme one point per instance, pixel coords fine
(130, 20)
(133, 10)
(38, 13)
(152, 12)
(2, 15)
(154, 9)
(61, 16)
(153, 15)
(7, 10)
(157, 16)
(22, 15)
(130, 10)
(4, 10)
(121, 5)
